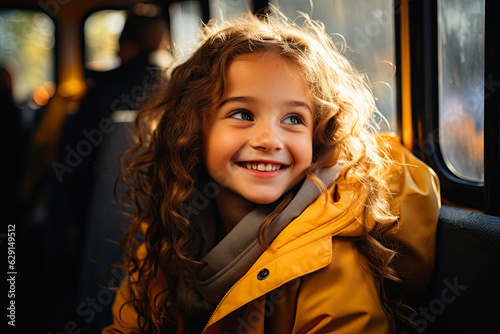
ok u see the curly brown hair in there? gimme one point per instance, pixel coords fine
(162, 172)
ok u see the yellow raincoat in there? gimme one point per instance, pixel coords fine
(312, 279)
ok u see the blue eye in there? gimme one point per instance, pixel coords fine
(293, 119)
(243, 115)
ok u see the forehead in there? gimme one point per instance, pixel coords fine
(264, 73)
(264, 58)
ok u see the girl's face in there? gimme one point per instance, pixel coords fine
(259, 141)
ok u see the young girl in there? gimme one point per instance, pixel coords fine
(267, 201)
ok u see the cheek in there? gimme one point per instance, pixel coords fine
(220, 146)
(302, 150)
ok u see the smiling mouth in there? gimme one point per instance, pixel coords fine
(261, 166)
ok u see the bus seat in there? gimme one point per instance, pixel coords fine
(463, 295)
(104, 230)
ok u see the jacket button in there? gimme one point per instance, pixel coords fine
(263, 274)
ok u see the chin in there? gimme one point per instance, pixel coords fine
(263, 199)
(264, 202)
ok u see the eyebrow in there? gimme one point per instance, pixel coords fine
(236, 99)
(291, 103)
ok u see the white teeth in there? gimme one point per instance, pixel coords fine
(261, 166)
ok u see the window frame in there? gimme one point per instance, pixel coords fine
(400, 62)
(492, 109)
(425, 105)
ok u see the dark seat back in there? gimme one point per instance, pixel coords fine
(104, 229)
(464, 293)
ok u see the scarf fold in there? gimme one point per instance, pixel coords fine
(234, 255)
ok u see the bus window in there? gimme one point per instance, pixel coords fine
(102, 30)
(185, 24)
(225, 9)
(26, 51)
(368, 29)
(461, 86)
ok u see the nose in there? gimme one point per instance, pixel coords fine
(265, 138)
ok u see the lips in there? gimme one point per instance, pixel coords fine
(261, 166)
